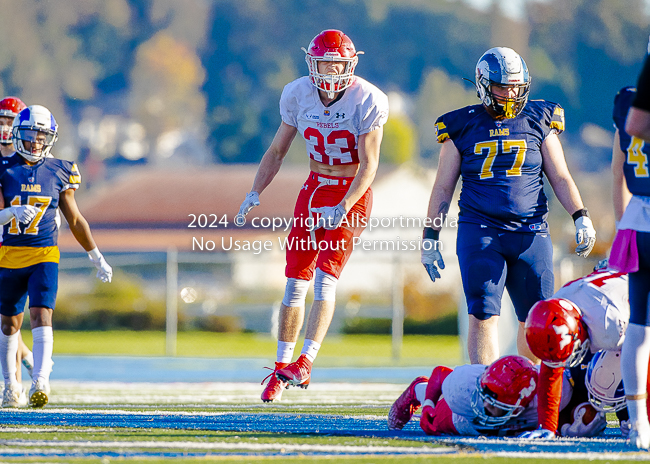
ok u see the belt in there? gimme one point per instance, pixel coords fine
(328, 181)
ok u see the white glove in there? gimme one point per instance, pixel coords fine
(539, 434)
(330, 216)
(22, 214)
(104, 270)
(585, 236)
(251, 201)
(25, 213)
(579, 429)
(430, 256)
(625, 427)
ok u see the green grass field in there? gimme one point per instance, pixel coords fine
(59, 443)
(347, 350)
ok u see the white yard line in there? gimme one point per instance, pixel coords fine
(191, 445)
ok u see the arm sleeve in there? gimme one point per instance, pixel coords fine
(642, 100)
(549, 394)
(288, 106)
(71, 177)
(442, 133)
(376, 114)
(556, 120)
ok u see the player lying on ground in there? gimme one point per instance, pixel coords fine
(499, 399)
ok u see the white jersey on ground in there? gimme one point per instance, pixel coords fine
(603, 299)
(461, 384)
(332, 133)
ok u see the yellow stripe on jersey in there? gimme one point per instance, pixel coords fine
(18, 257)
(75, 175)
(559, 125)
(441, 136)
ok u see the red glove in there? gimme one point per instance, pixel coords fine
(437, 420)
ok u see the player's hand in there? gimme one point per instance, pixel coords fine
(429, 256)
(104, 270)
(585, 236)
(539, 434)
(426, 420)
(25, 213)
(330, 216)
(251, 201)
(579, 429)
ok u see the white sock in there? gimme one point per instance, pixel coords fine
(634, 369)
(285, 351)
(43, 346)
(421, 391)
(8, 352)
(310, 349)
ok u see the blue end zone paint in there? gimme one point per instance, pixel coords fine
(164, 369)
(610, 442)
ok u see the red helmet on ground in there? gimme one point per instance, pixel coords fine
(9, 108)
(510, 384)
(331, 45)
(556, 333)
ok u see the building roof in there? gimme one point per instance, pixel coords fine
(151, 209)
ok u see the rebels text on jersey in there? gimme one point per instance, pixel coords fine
(38, 185)
(635, 168)
(332, 133)
(501, 164)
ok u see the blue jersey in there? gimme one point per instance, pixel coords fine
(636, 150)
(501, 164)
(39, 185)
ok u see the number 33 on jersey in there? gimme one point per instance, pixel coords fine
(38, 185)
(331, 133)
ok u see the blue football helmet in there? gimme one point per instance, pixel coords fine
(504, 67)
(36, 126)
(604, 381)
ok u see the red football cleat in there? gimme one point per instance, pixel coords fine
(297, 373)
(275, 387)
(405, 406)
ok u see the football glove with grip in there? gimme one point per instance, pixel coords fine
(429, 256)
(579, 429)
(426, 418)
(251, 201)
(331, 217)
(539, 434)
(22, 214)
(104, 270)
(585, 236)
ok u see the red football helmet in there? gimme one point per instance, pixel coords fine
(9, 108)
(556, 333)
(510, 384)
(331, 45)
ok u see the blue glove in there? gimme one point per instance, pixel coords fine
(539, 434)
(429, 256)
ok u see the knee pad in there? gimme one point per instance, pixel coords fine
(295, 293)
(324, 286)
